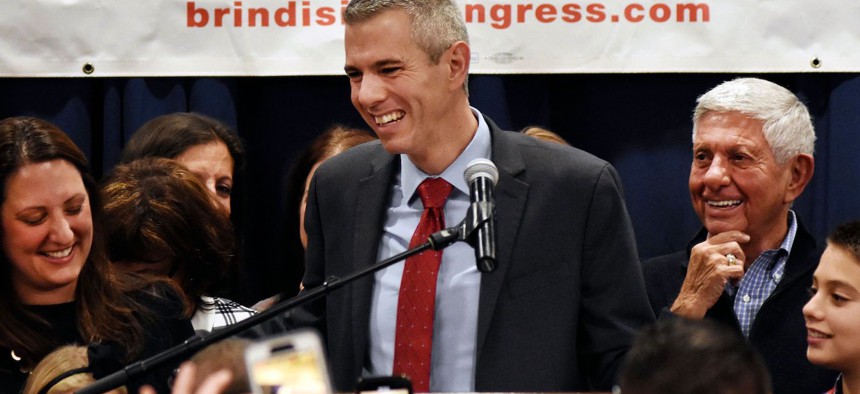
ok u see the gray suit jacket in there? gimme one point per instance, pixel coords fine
(559, 312)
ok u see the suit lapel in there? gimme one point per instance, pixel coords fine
(510, 194)
(372, 201)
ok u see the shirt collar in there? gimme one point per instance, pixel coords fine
(777, 257)
(788, 242)
(480, 147)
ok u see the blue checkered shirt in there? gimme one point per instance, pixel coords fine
(761, 279)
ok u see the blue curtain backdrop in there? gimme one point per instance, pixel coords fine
(638, 122)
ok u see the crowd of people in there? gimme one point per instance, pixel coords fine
(100, 275)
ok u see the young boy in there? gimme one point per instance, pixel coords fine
(833, 313)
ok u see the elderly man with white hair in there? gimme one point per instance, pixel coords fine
(752, 262)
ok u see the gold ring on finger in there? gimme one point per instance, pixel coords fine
(731, 259)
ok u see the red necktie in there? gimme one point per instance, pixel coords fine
(413, 339)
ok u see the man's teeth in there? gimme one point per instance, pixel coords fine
(60, 254)
(726, 203)
(388, 118)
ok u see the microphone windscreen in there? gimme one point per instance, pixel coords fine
(481, 168)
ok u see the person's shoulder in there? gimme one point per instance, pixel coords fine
(360, 153)
(539, 153)
(357, 161)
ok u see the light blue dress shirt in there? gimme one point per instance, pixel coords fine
(458, 285)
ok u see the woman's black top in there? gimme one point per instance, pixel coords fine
(166, 329)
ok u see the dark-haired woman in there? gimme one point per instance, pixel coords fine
(58, 287)
(160, 220)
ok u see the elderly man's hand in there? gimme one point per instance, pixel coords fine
(709, 271)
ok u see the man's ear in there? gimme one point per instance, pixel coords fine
(801, 166)
(458, 58)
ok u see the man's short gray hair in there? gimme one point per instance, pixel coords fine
(436, 24)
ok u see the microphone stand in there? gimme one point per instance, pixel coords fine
(478, 214)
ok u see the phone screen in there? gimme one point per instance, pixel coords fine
(291, 372)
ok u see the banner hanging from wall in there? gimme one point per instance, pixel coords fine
(48, 38)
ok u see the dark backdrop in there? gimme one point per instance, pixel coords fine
(638, 122)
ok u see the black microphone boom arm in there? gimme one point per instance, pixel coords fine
(478, 215)
(199, 341)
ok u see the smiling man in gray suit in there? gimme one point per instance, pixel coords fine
(560, 311)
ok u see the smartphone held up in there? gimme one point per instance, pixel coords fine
(289, 364)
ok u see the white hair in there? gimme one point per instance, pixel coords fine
(786, 123)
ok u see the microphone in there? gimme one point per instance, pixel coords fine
(482, 175)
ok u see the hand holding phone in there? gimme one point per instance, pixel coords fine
(290, 364)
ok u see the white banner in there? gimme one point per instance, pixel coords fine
(110, 38)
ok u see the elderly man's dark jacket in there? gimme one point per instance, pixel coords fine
(778, 331)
